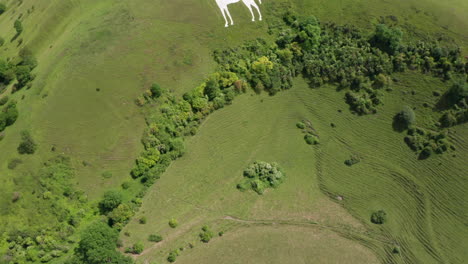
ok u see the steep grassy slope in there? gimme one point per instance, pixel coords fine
(200, 188)
(96, 57)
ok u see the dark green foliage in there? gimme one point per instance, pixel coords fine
(387, 39)
(300, 125)
(27, 144)
(137, 248)
(261, 175)
(173, 255)
(379, 217)
(142, 220)
(155, 238)
(311, 139)
(425, 142)
(18, 26)
(206, 235)
(3, 8)
(121, 215)
(8, 115)
(354, 159)
(405, 119)
(97, 246)
(156, 90)
(125, 185)
(457, 100)
(110, 201)
(173, 223)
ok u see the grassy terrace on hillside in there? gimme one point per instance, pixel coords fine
(78, 64)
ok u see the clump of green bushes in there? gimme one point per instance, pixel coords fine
(261, 175)
(173, 255)
(379, 217)
(206, 235)
(311, 136)
(425, 142)
(27, 144)
(155, 238)
(8, 115)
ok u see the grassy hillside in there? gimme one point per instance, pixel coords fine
(96, 57)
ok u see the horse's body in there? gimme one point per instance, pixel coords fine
(223, 6)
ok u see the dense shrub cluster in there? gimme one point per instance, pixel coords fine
(206, 235)
(164, 137)
(173, 255)
(425, 142)
(97, 246)
(44, 242)
(261, 175)
(457, 98)
(8, 114)
(18, 68)
(343, 55)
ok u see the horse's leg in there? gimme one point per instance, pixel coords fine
(258, 10)
(224, 15)
(229, 15)
(251, 12)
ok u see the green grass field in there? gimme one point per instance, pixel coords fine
(96, 57)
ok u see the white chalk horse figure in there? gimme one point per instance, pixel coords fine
(223, 6)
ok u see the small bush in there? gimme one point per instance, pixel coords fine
(311, 139)
(27, 145)
(142, 220)
(155, 238)
(173, 255)
(18, 26)
(300, 125)
(206, 235)
(352, 160)
(138, 248)
(125, 185)
(173, 223)
(379, 217)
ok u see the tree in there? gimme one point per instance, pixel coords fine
(407, 117)
(379, 217)
(458, 91)
(97, 246)
(120, 216)
(156, 90)
(111, 200)
(387, 39)
(27, 145)
(18, 26)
